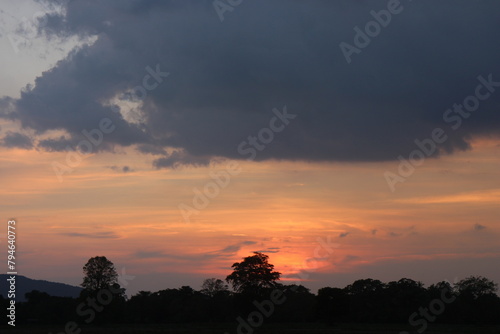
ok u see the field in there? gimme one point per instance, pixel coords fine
(265, 329)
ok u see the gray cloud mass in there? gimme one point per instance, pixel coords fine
(18, 140)
(226, 77)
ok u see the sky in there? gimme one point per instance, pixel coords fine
(344, 139)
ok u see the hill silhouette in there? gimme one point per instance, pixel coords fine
(25, 284)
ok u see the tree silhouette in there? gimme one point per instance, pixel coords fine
(405, 296)
(253, 274)
(366, 299)
(213, 286)
(333, 304)
(100, 273)
(436, 290)
(364, 286)
(476, 300)
(470, 301)
(476, 286)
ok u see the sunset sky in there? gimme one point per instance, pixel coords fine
(117, 118)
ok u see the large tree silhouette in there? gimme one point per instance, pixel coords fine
(476, 286)
(252, 274)
(100, 273)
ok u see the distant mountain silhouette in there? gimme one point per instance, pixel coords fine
(25, 284)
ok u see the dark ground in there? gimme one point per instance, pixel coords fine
(265, 329)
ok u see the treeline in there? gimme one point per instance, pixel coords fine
(471, 300)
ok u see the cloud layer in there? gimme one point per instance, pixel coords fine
(224, 79)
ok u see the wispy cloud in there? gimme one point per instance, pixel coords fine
(270, 250)
(479, 227)
(468, 197)
(236, 247)
(98, 235)
(124, 169)
(221, 253)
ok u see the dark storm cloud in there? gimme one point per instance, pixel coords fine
(178, 158)
(151, 149)
(226, 77)
(17, 140)
(57, 144)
